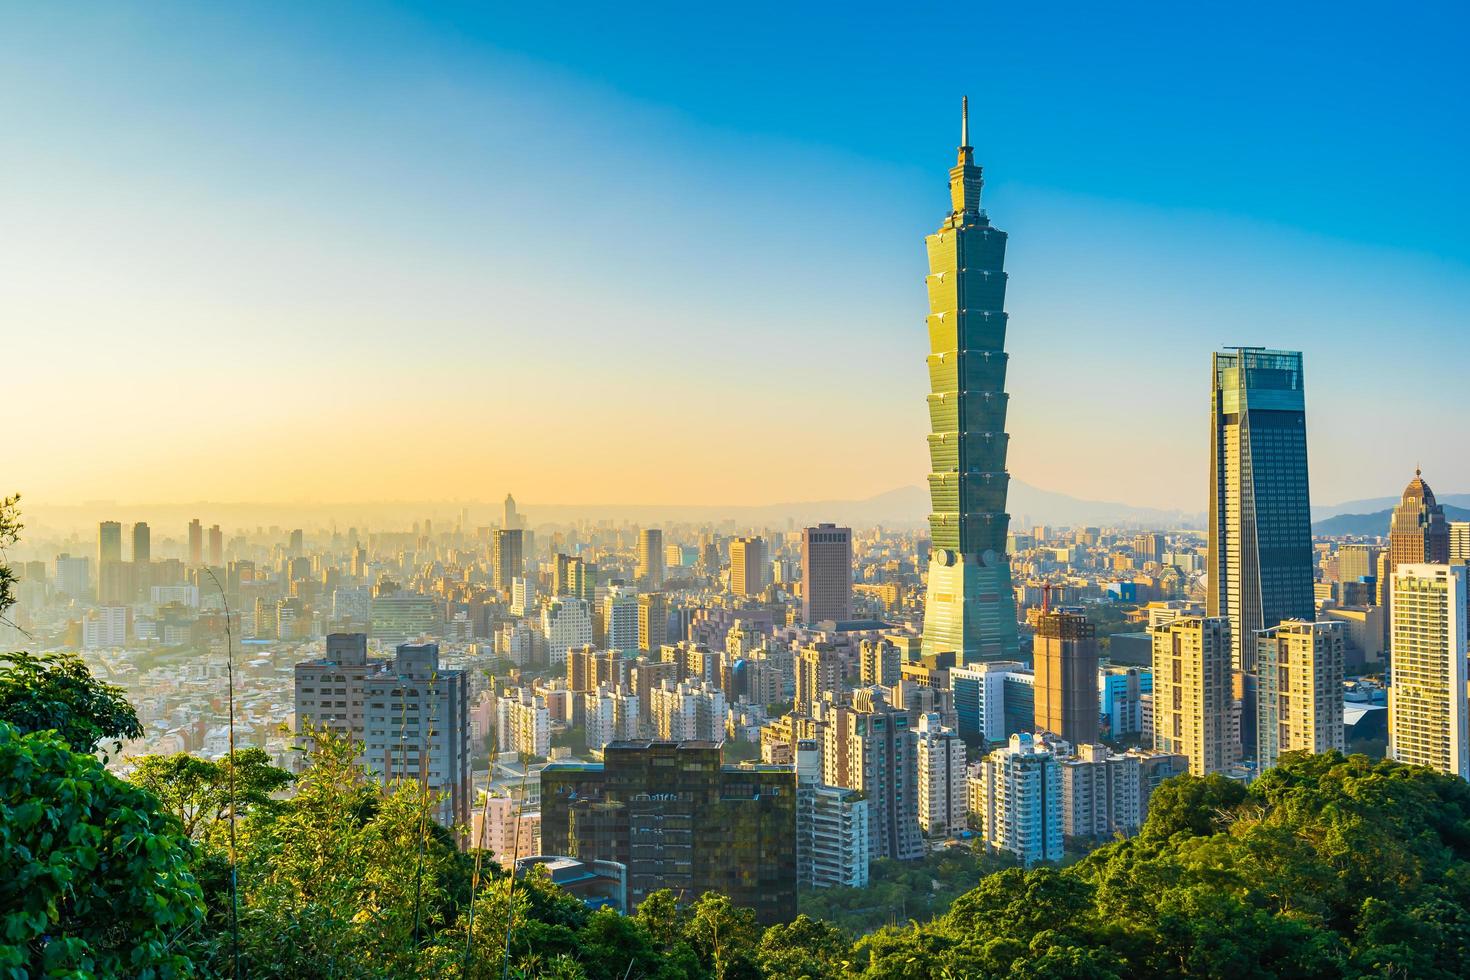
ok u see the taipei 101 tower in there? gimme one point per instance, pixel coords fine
(970, 608)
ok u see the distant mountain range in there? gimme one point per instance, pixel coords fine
(1371, 506)
(1376, 523)
(904, 506)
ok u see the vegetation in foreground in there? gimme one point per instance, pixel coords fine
(1325, 867)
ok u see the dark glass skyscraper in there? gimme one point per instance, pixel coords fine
(970, 608)
(1260, 511)
(677, 818)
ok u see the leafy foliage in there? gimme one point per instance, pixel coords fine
(898, 891)
(1325, 867)
(57, 692)
(94, 878)
(198, 791)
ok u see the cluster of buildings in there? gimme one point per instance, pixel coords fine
(757, 710)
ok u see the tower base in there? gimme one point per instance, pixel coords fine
(970, 607)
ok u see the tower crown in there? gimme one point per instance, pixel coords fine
(965, 180)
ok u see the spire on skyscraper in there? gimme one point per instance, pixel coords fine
(965, 180)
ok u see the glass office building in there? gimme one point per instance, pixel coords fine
(1260, 514)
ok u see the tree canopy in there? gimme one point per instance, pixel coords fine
(56, 692)
(93, 879)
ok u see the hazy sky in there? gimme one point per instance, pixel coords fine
(673, 253)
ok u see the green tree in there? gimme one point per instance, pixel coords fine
(344, 879)
(57, 692)
(806, 949)
(198, 791)
(724, 936)
(94, 877)
(1192, 805)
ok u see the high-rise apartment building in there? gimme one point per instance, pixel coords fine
(216, 546)
(609, 715)
(1460, 542)
(566, 623)
(653, 621)
(510, 519)
(109, 542)
(114, 583)
(831, 827)
(747, 566)
(1017, 793)
(1260, 546)
(561, 574)
(1299, 675)
(620, 618)
(940, 755)
(678, 819)
(196, 543)
(581, 579)
(1103, 793)
(523, 723)
(879, 662)
(650, 570)
(523, 598)
(870, 741)
(73, 575)
(105, 627)
(818, 670)
(416, 716)
(688, 710)
(969, 608)
(1193, 694)
(509, 558)
(1066, 677)
(142, 544)
(826, 573)
(329, 690)
(1427, 708)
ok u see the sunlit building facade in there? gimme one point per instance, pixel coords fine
(970, 607)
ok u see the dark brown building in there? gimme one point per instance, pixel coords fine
(1066, 677)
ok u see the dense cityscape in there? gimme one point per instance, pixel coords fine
(961, 740)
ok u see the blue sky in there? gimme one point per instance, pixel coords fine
(597, 254)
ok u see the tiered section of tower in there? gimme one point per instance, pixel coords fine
(970, 607)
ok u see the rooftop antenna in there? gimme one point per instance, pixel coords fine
(964, 120)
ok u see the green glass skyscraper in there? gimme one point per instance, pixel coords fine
(970, 608)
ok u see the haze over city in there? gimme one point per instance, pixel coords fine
(383, 252)
(796, 492)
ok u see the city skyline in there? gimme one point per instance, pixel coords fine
(294, 237)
